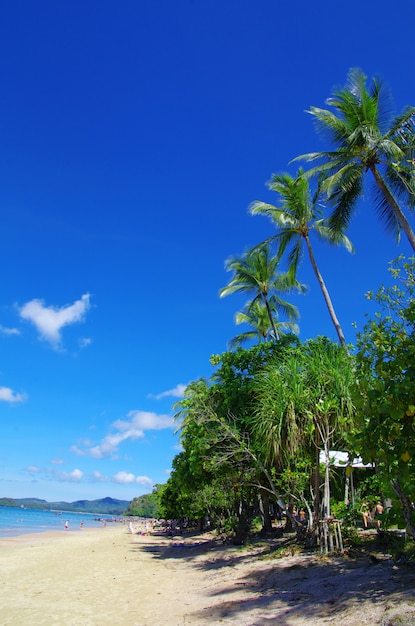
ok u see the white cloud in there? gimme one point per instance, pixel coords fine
(143, 480)
(8, 395)
(126, 478)
(33, 469)
(9, 331)
(109, 445)
(177, 392)
(49, 321)
(146, 420)
(57, 461)
(84, 342)
(74, 477)
(98, 477)
(126, 430)
(76, 450)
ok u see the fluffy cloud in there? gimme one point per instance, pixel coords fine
(177, 392)
(127, 478)
(74, 477)
(145, 420)
(124, 478)
(49, 320)
(130, 429)
(8, 395)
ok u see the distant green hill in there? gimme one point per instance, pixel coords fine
(145, 506)
(104, 506)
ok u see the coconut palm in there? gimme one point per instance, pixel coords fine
(256, 315)
(256, 273)
(367, 140)
(298, 215)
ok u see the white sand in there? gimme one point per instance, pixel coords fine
(108, 576)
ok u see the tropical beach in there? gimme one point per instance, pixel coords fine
(110, 576)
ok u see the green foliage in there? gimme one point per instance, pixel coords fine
(366, 139)
(146, 505)
(256, 273)
(256, 315)
(350, 515)
(298, 215)
(385, 387)
(303, 394)
(294, 481)
(237, 371)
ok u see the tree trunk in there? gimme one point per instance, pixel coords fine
(271, 319)
(327, 479)
(243, 525)
(317, 481)
(264, 508)
(406, 505)
(326, 295)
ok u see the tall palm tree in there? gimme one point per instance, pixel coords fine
(300, 214)
(256, 273)
(256, 315)
(367, 140)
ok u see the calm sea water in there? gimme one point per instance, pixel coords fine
(15, 521)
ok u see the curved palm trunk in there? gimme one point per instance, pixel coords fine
(400, 216)
(271, 319)
(326, 295)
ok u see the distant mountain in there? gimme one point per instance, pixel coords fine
(104, 506)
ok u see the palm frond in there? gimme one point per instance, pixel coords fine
(385, 211)
(243, 338)
(334, 237)
(402, 126)
(344, 198)
(400, 178)
(360, 126)
(331, 183)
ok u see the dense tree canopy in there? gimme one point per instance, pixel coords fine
(385, 387)
(255, 433)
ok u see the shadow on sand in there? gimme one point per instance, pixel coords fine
(258, 586)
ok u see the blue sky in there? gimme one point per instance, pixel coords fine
(134, 136)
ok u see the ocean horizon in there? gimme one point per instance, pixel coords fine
(15, 521)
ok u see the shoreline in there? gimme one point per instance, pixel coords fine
(104, 576)
(24, 538)
(34, 531)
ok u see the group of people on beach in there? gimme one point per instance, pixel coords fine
(369, 516)
(300, 516)
(144, 527)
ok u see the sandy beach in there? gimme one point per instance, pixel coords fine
(109, 576)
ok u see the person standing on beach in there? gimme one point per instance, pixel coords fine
(66, 525)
